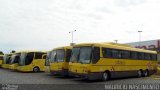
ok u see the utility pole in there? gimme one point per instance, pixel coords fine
(72, 33)
(116, 41)
(139, 37)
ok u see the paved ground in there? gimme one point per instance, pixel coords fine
(43, 80)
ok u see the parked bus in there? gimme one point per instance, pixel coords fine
(47, 62)
(6, 60)
(31, 61)
(1, 58)
(14, 61)
(158, 64)
(60, 59)
(158, 68)
(110, 60)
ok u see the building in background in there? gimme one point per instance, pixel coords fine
(150, 45)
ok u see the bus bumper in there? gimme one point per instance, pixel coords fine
(5, 66)
(13, 67)
(89, 76)
(63, 72)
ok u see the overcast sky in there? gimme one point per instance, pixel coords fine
(45, 24)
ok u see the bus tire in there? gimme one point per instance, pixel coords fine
(105, 76)
(146, 73)
(36, 69)
(140, 73)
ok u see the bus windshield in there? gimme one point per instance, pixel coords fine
(26, 58)
(12, 59)
(75, 54)
(85, 55)
(60, 55)
(6, 59)
(15, 59)
(48, 58)
(22, 59)
(53, 54)
(81, 54)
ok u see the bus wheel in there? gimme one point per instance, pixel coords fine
(140, 73)
(105, 76)
(146, 73)
(36, 69)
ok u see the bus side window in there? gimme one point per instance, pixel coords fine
(141, 56)
(125, 54)
(1, 57)
(107, 53)
(116, 54)
(147, 56)
(96, 55)
(134, 55)
(68, 54)
(38, 55)
(153, 56)
(44, 57)
(158, 57)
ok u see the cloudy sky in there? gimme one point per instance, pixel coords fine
(45, 24)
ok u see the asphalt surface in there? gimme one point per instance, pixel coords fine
(45, 81)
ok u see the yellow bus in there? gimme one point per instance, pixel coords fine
(110, 60)
(59, 60)
(47, 62)
(31, 61)
(14, 60)
(1, 58)
(6, 61)
(158, 64)
(158, 68)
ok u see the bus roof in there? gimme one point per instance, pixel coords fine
(116, 46)
(27, 51)
(63, 47)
